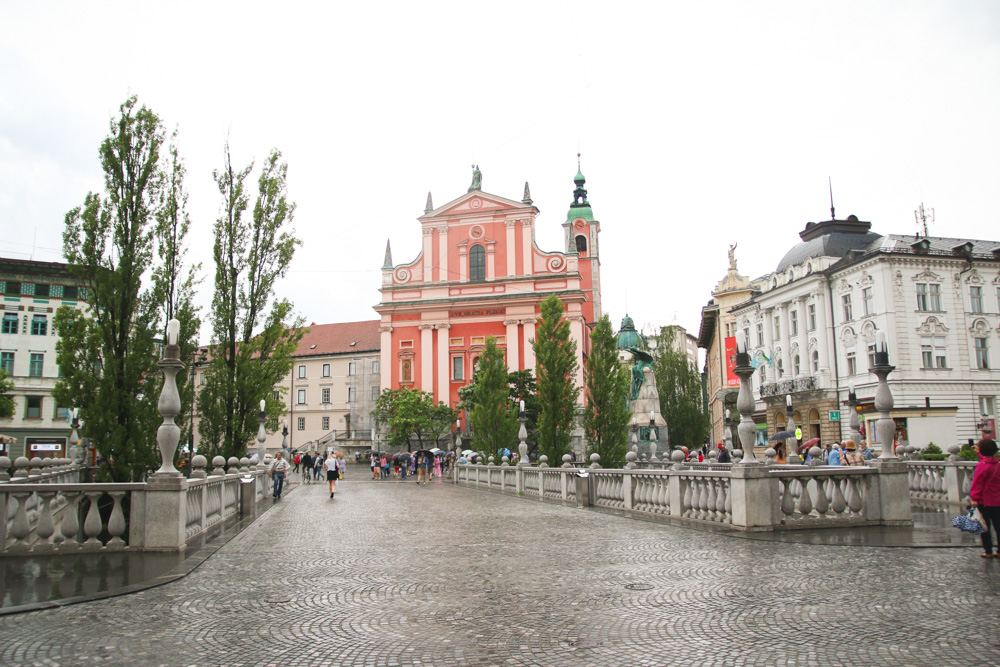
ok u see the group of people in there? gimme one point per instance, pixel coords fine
(424, 464)
(312, 466)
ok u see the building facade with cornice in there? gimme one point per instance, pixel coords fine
(479, 274)
(811, 328)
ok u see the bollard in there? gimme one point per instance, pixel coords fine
(583, 489)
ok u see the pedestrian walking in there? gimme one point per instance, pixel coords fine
(724, 456)
(341, 465)
(374, 460)
(985, 493)
(437, 466)
(278, 469)
(298, 460)
(307, 467)
(317, 465)
(834, 458)
(780, 457)
(332, 472)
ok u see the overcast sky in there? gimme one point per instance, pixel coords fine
(700, 124)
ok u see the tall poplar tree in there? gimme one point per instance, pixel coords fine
(556, 367)
(253, 337)
(606, 417)
(107, 356)
(494, 415)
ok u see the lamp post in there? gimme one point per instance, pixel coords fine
(854, 422)
(522, 435)
(727, 430)
(885, 427)
(745, 402)
(74, 437)
(261, 435)
(791, 453)
(169, 405)
(652, 438)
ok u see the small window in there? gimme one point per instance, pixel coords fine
(457, 368)
(36, 365)
(70, 293)
(326, 370)
(852, 364)
(9, 323)
(42, 290)
(201, 378)
(352, 368)
(777, 329)
(13, 289)
(982, 354)
(477, 263)
(815, 361)
(375, 367)
(7, 362)
(33, 407)
(935, 295)
(796, 366)
(375, 392)
(39, 325)
(871, 356)
(922, 303)
(326, 394)
(326, 423)
(848, 309)
(868, 300)
(302, 396)
(812, 316)
(760, 334)
(352, 394)
(302, 423)
(986, 406)
(62, 412)
(302, 371)
(581, 244)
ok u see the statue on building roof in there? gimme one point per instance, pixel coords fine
(477, 179)
(732, 257)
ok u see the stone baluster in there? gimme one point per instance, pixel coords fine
(46, 526)
(198, 464)
(822, 497)
(35, 472)
(710, 509)
(839, 503)
(567, 461)
(116, 522)
(630, 460)
(595, 461)
(20, 527)
(769, 455)
(953, 451)
(232, 465)
(70, 520)
(92, 524)
(219, 462)
(169, 404)
(805, 501)
(543, 461)
(4, 468)
(504, 461)
(244, 465)
(854, 501)
(787, 499)
(490, 461)
(21, 465)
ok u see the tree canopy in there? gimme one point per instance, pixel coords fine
(606, 417)
(556, 365)
(680, 387)
(410, 413)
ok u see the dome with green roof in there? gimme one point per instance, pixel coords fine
(627, 336)
(580, 208)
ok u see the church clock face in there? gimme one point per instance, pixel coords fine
(580, 224)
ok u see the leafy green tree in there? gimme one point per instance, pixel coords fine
(494, 415)
(174, 291)
(555, 361)
(107, 356)
(411, 413)
(680, 387)
(6, 400)
(252, 337)
(522, 387)
(606, 417)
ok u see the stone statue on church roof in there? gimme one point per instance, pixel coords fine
(477, 179)
(732, 257)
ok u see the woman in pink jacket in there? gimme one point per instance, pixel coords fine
(985, 493)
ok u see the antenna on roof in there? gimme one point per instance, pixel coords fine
(921, 217)
(830, 183)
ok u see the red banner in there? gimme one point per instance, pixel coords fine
(731, 379)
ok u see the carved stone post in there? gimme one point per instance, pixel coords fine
(745, 404)
(261, 436)
(853, 421)
(169, 433)
(885, 426)
(791, 453)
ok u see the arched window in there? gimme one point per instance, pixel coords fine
(815, 360)
(477, 263)
(581, 244)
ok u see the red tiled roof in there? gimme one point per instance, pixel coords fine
(340, 338)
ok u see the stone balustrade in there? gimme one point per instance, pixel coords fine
(941, 485)
(750, 498)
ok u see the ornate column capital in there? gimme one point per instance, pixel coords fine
(385, 328)
(426, 327)
(442, 325)
(510, 223)
(507, 323)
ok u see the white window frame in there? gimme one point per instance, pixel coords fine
(326, 423)
(352, 368)
(302, 371)
(852, 363)
(458, 368)
(982, 348)
(376, 367)
(793, 323)
(352, 395)
(976, 299)
(302, 397)
(868, 300)
(302, 423)
(326, 370)
(848, 307)
(934, 292)
(811, 314)
(987, 405)
(325, 394)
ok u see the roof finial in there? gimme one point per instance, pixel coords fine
(429, 206)
(527, 194)
(830, 182)
(387, 263)
(578, 162)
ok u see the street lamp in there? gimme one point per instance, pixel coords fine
(727, 431)
(855, 423)
(885, 427)
(522, 435)
(791, 453)
(745, 402)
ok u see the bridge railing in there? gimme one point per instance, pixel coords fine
(744, 497)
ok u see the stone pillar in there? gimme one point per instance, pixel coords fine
(443, 372)
(385, 358)
(427, 357)
(768, 322)
(527, 241)
(491, 259)
(754, 497)
(428, 254)
(512, 345)
(443, 274)
(786, 343)
(529, 335)
(511, 226)
(822, 334)
(804, 362)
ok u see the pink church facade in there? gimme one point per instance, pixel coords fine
(480, 274)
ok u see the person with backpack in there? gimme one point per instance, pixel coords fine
(307, 467)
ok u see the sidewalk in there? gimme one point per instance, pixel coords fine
(394, 573)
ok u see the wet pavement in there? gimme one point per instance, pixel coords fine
(392, 573)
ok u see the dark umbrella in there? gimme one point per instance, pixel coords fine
(782, 435)
(402, 456)
(425, 452)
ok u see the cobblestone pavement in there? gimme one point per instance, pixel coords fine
(392, 573)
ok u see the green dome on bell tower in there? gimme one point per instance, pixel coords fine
(580, 208)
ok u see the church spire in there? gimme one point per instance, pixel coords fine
(527, 194)
(387, 263)
(580, 194)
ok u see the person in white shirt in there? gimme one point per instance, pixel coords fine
(332, 472)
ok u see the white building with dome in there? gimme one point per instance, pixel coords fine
(811, 330)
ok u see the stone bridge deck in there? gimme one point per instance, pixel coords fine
(393, 573)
